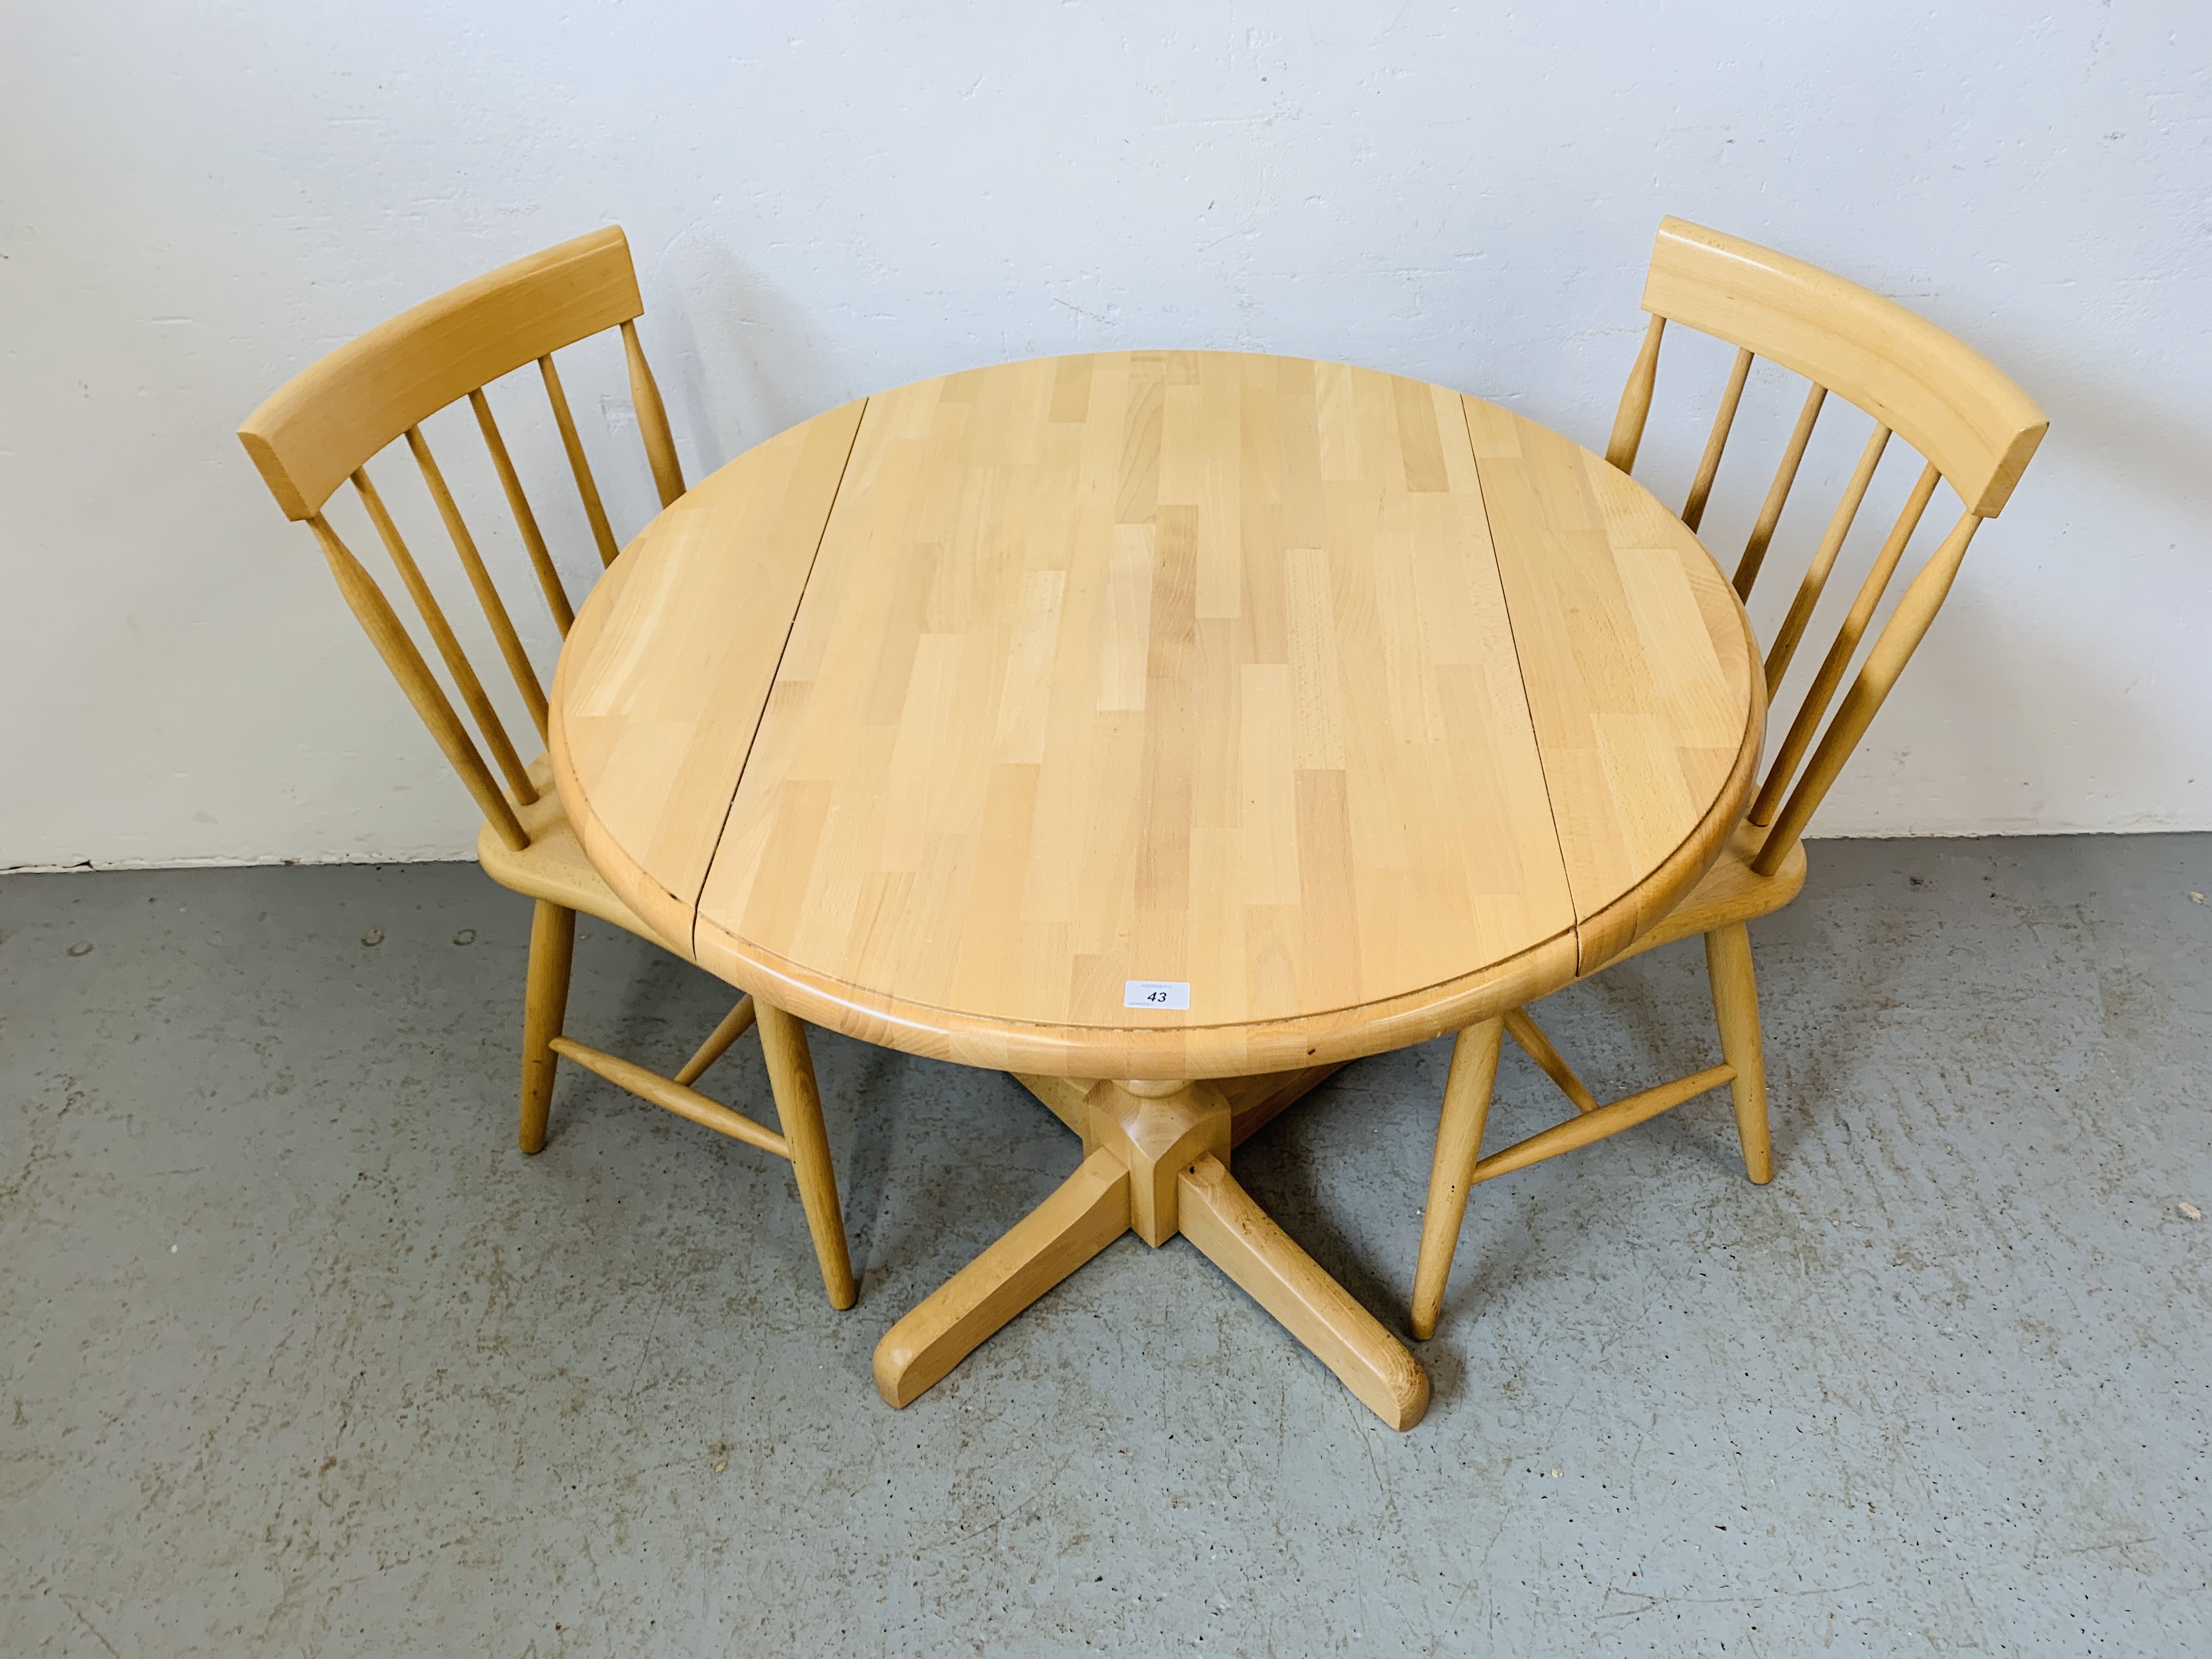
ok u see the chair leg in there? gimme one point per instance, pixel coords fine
(544, 1008)
(1459, 1144)
(798, 1104)
(1735, 1005)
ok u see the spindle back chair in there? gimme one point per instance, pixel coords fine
(1972, 428)
(318, 434)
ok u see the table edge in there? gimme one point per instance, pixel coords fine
(1609, 930)
(674, 919)
(1237, 1050)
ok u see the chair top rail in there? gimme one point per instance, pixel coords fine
(309, 436)
(1954, 406)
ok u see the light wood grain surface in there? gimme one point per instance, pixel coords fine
(1350, 702)
(1976, 426)
(309, 436)
(1639, 670)
(661, 684)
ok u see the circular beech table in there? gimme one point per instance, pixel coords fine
(1166, 728)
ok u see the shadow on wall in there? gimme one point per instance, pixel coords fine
(2113, 440)
(2100, 421)
(2001, 723)
(1991, 695)
(746, 364)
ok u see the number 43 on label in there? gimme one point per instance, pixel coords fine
(1156, 994)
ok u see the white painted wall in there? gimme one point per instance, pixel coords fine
(197, 200)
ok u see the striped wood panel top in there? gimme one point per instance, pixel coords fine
(1349, 703)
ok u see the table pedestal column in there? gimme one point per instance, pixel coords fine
(1156, 1163)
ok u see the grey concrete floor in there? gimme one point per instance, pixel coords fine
(302, 1356)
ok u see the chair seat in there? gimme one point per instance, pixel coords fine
(554, 865)
(1731, 892)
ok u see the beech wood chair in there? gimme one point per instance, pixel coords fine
(1972, 428)
(320, 432)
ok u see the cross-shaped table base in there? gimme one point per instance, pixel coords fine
(1157, 1162)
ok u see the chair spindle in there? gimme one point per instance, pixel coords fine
(457, 662)
(652, 419)
(1785, 475)
(494, 609)
(1709, 464)
(1834, 665)
(1824, 559)
(382, 625)
(1892, 649)
(541, 561)
(1636, 401)
(585, 487)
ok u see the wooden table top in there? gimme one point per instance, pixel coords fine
(1359, 708)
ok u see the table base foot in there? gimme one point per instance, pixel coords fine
(1163, 1154)
(1243, 1240)
(1090, 1211)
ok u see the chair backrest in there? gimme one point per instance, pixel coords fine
(324, 426)
(1971, 425)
